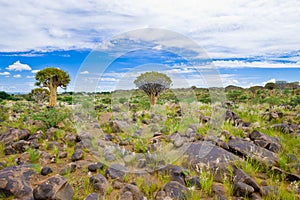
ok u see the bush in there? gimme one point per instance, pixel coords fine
(51, 117)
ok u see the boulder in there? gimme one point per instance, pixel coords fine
(116, 171)
(14, 181)
(176, 191)
(54, 188)
(241, 189)
(77, 155)
(126, 196)
(99, 183)
(265, 141)
(207, 155)
(248, 149)
(134, 190)
(13, 135)
(94, 196)
(95, 166)
(46, 170)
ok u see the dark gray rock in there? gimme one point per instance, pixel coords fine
(77, 155)
(116, 171)
(218, 190)
(95, 166)
(241, 189)
(160, 195)
(207, 155)
(194, 182)
(288, 176)
(54, 188)
(21, 146)
(13, 135)
(99, 183)
(14, 181)
(176, 173)
(9, 150)
(62, 154)
(69, 168)
(253, 151)
(270, 191)
(117, 184)
(46, 170)
(126, 196)
(241, 177)
(176, 191)
(135, 191)
(118, 126)
(265, 141)
(94, 196)
(50, 134)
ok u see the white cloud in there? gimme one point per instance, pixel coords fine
(84, 72)
(261, 64)
(17, 76)
(234, 28)
(18, 66)
(273, 80)
(4, 73)
(30, 76)
(35, 71)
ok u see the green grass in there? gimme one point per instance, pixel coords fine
(33, 155)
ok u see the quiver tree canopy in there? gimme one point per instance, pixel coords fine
(52, 78)
(153, 83)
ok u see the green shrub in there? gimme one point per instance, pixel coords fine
(51, 117)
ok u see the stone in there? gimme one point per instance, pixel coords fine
(95, 166)
(99, 183)
(21, 146)
(242, 177)
(219, 191)
(253, 151)
(117, 184)
(50, 133)
(54, 188)
(126, 196)
(116, 171)
(194, 182)
(178, 142)
(241, 189)
(176, 191)
(207, 155)
(176, 173)
(160, 195)
(69, 168)
(62, 154)
(94, 196)
(118, 126)
(46, 170)
(77, 155)
(270, 190)
(14, 181)
(14, 135)
(135, 191)
(265, 141)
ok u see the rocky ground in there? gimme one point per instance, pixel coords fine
(173, 151)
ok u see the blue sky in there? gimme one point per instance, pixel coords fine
(244, 43)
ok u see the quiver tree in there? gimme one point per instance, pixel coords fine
(153, 83)
(39, 95)
(270, 86)
(52, 78)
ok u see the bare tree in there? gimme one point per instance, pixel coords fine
(153, 83)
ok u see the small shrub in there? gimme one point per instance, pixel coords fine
(33, 155)
(51, 117)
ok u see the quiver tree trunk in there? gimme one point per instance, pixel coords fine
(52, 100)
(152, 99)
